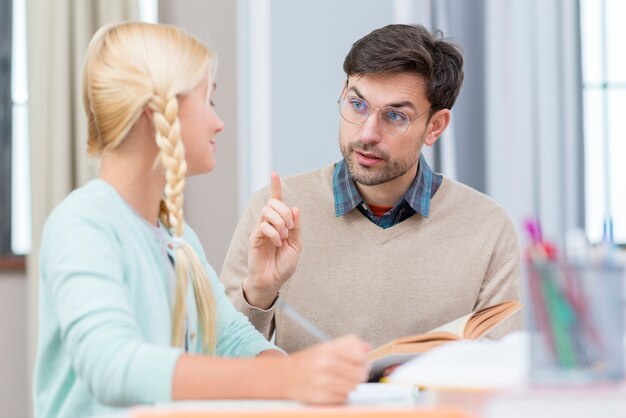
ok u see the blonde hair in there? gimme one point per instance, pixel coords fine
(130, 67)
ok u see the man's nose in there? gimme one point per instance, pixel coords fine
(372, 130)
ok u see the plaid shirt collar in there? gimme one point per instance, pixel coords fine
(417, 197)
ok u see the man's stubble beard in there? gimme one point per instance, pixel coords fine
(392, 168)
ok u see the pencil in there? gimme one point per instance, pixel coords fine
(301, 320)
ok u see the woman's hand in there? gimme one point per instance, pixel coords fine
(326, 373)
(323, 374)
(274, 248)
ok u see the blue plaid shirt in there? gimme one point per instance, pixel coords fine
(415, 200)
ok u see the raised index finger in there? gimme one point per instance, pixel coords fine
(277, 191)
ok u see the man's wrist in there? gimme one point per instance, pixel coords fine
(259, 298)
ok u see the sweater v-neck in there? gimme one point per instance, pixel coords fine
(375, 233)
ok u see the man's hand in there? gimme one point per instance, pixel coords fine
(275, 246)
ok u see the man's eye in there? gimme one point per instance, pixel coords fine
(358, 105)
(395, 116)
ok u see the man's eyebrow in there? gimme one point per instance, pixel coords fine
(404, 103)
(356, 91)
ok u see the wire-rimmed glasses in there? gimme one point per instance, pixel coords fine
(356, 110)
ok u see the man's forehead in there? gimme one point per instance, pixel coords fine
(392, 87)
(416, 80)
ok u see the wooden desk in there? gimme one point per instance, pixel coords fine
(271, 409)
(602, 402)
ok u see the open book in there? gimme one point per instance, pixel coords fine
(471, 326)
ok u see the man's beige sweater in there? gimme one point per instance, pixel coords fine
(354, 277)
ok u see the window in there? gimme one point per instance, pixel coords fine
(14, 168)
(15, 227)
(604, 101)
(5, 126)
(20, 177)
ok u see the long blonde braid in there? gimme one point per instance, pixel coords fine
(172, 155)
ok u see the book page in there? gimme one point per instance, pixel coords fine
(456, 327)
(481, 322)
(428, 337)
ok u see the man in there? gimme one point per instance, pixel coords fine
(390, 247)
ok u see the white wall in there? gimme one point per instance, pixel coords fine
(309, 41)
(211, 200)
(14, 379)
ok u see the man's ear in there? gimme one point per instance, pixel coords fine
(436, 125)
(344, 87)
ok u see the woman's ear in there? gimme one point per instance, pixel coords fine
(149, 114)
(148, 121)
(436, 126)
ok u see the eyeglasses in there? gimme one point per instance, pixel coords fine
(355, 110)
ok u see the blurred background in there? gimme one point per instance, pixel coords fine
(537, 125)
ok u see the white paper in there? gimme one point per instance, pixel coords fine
(471, 364)
(384, 394)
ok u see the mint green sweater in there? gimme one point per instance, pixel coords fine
(105, 301)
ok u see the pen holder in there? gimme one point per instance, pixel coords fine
(576, 322)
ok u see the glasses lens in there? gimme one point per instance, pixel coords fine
(394, 121)
(354, 109)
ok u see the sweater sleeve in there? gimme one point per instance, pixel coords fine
(83, 273)
(235, 268)
(503, 277)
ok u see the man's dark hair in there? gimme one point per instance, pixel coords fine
(413, 49)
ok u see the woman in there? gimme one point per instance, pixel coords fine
(130, 310)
